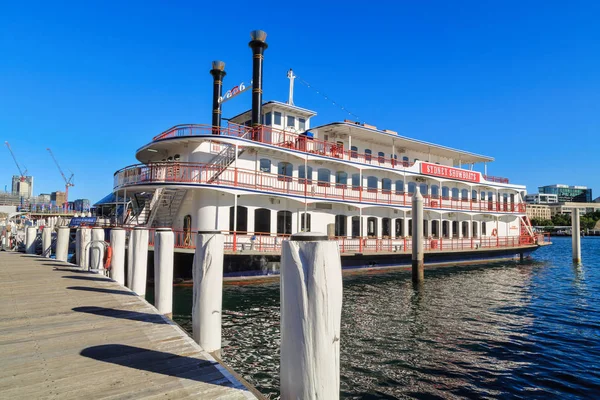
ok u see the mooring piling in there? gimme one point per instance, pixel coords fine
(46, 242)
(83, 238)
(163, 270)
(311, 310)
(96, 249)
(30, 236)
(62, 243)
(139, 245)
(207, 273)
(117, 263)
(417, 237)
(576, 235)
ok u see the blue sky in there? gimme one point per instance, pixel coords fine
(94, 81)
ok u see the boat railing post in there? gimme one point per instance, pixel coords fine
(310, 317)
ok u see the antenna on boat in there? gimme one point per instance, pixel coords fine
(291, 77)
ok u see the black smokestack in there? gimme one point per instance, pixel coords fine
(258, 46)
(218, 73)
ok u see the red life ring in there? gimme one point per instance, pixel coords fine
(494, 232)
(107, 257)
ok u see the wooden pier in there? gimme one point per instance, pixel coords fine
(68, 334)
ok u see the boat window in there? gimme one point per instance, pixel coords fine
(399, 187)
(381, 157)
(483, 228)
(435, 190)
(262, 221)
(399, 227)
(356, 226)
(276, 118)
(265, 165)
(410, 227)
(474, 195)
(423, 187)
(474, 229)
(465, 228)
(405, 161)
(368, 153)
(482, 196)
(341, 178)
(268, 118)
(412, 187)
(435, 228)
(386, 185)
(291, 121)
(242, 219)
(305, 217)
(340, 225)
(305, 177)
(445, 191)
(372, 226)
(386, 225)
(284, 222)
(372, 183)
(356, 180)
(353, 152)
(464, 194)
(284, 171)
(324, 176)
(454, 193)
(301, 124)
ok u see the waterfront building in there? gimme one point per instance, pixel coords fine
(541, 198)
(22, 187)
(566, 193)
(567, 208)
(539, 211)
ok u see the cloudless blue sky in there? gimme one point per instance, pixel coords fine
(515, 80)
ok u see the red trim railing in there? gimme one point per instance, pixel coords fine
(294, 141)
(265, 242)
(195, 173)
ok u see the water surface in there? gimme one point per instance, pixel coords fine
(527, 330)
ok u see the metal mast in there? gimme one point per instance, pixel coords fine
(68, 182)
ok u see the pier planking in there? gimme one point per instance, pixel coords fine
(69, 334)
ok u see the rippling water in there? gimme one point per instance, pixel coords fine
(518, 331)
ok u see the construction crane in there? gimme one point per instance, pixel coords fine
(22, 173)
(68, 182)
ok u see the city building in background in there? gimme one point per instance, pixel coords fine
(23, 188)
(566, 193)
(44, 198)
(539, 211)
(567, 208)
(57, 198)
(81, 205)
(541, 198)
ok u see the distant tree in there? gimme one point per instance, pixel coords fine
(561, 220)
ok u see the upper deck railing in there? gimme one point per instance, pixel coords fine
(197, 173)
(297, 142)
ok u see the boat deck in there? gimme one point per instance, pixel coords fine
(70, 334)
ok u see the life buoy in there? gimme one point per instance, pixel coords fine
(494, 232)
(107, 257)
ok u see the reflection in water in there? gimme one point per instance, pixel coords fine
(490, 331)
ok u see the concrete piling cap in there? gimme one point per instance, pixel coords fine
(308, 237)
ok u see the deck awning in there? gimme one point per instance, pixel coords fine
(366, 133)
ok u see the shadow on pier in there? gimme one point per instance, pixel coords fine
(87, 278)
(122, 314)
(101, 290)
(155, 361)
